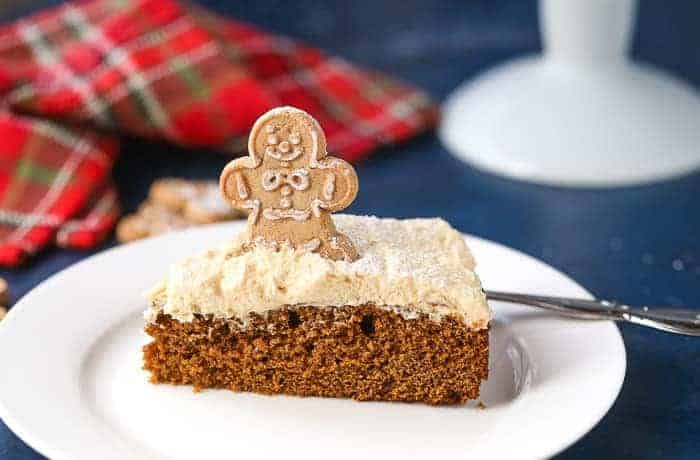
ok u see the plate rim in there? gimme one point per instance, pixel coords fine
(47, 449)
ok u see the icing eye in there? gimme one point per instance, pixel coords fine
(271, 180)
(294, 139)
(272, 139)
(299, 179)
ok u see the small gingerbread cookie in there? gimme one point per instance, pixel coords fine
(4, 297)
(290, 185)
(150, 220)
(199, 201)
(4, 293)
(207, 205)
(132, 227)
(172, 193)
(174, 204)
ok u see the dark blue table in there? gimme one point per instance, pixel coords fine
(640, 245)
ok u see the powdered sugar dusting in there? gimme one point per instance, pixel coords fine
(210, 200)
(421, 265)
(407, 248)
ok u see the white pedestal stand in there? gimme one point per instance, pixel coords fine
(581, 114)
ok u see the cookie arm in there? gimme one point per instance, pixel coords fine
(340, 184)
(232, 181)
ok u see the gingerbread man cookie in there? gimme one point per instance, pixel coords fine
(290, 185)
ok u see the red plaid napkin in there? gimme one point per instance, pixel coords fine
(72, 75)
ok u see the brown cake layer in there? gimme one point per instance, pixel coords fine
(364, 353)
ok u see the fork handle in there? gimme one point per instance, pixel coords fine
(678, 321)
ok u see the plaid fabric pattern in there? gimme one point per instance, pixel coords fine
(72, 78)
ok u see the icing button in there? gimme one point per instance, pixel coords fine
(286, 203)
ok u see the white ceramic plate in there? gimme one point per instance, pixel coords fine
(72, 385)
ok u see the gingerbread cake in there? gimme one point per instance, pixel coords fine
(304, 304)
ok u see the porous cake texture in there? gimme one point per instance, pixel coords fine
(365, 353)
(407, 321)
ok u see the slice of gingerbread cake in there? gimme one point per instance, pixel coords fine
(304, 304)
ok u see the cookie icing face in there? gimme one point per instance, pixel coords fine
(289, 183)
(283, 147)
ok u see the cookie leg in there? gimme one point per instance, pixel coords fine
(339, 247)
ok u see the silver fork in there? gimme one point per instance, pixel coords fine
(677, 321)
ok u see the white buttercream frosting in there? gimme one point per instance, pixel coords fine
(412, 266)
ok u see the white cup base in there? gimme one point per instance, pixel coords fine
(575, 124)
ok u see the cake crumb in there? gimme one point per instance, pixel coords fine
(365, 353)
(481, 405)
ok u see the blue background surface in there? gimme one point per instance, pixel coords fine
(640, 244)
